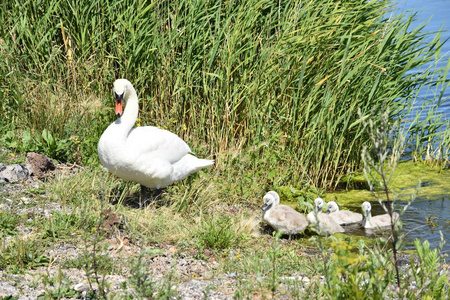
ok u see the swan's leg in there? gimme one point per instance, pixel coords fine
(147, 196)
(144, 195)
(156, 194)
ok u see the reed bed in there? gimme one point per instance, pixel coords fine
(268, 85)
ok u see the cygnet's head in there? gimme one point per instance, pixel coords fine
(318, 202)
(366, 208)
(332, 207)
(270, 199)
(120, 89)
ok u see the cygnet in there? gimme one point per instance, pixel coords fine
(376, 222)
(323, 224)
(282, 217)
(342, 217)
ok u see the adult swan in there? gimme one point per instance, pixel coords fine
(148, 155)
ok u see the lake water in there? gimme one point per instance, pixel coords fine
(437, 208)
(437, 12)
(415, 225)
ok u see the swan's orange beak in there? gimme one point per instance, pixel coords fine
(119, 108)
(119, 104)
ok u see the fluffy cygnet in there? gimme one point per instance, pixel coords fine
(323, 224)
(380, 221)
(282, 217)
(342, 217)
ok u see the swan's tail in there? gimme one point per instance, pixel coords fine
(203, 163)
(188, 165)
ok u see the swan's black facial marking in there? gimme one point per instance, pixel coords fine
(119, 105)
(119, 97)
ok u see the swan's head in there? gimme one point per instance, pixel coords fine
(318, 202)
(270, 199)
(332, 207)
(366, 208)
(120, 89)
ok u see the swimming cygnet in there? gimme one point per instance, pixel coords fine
(322, 223)
(282, 217)
(379, 221)
(342, 217)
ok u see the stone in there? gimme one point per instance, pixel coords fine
(81, 287)
(41, 164)
(15, 173)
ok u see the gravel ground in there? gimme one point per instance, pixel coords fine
(178, 270)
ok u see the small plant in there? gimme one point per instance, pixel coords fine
(432, 283)
(61, 225)
(8, 223)
(57, 287)
(145, 286)
(45, 143)
(217, 233)
(20, 255)
(273, 254)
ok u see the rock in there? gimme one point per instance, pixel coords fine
(15, 173)
(42, 165)
(81, 287)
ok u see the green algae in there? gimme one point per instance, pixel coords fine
(408, 176)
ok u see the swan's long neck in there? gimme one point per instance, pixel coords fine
(130, 114)
(367, 218)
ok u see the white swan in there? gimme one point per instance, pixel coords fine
(148, 155)
(376, 222)
(322, 223)
(342, 217)
(282, 217)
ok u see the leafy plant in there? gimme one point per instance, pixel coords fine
(430, 280)
(57, 287)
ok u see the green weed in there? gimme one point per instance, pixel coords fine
(20, 255)
(217, 233)
(8, 223)
(143, 281)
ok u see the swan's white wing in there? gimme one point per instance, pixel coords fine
(158, 143)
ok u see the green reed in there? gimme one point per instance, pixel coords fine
(227, 76)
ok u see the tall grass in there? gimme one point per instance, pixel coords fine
(278, 82)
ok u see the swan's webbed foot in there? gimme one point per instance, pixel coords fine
(149, 196)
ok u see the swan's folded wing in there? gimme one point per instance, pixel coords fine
(156, 142)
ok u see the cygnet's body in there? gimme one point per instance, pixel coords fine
(343, 217)
(282, 217)
(322, 223)
(376, 222)
(148, 155)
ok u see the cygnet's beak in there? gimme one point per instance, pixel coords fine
(119, 104)
(264, 207)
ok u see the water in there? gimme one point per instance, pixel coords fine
(436, 12)
(415, 225)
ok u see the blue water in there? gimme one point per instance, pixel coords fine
(428, 216)
(437, 14)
